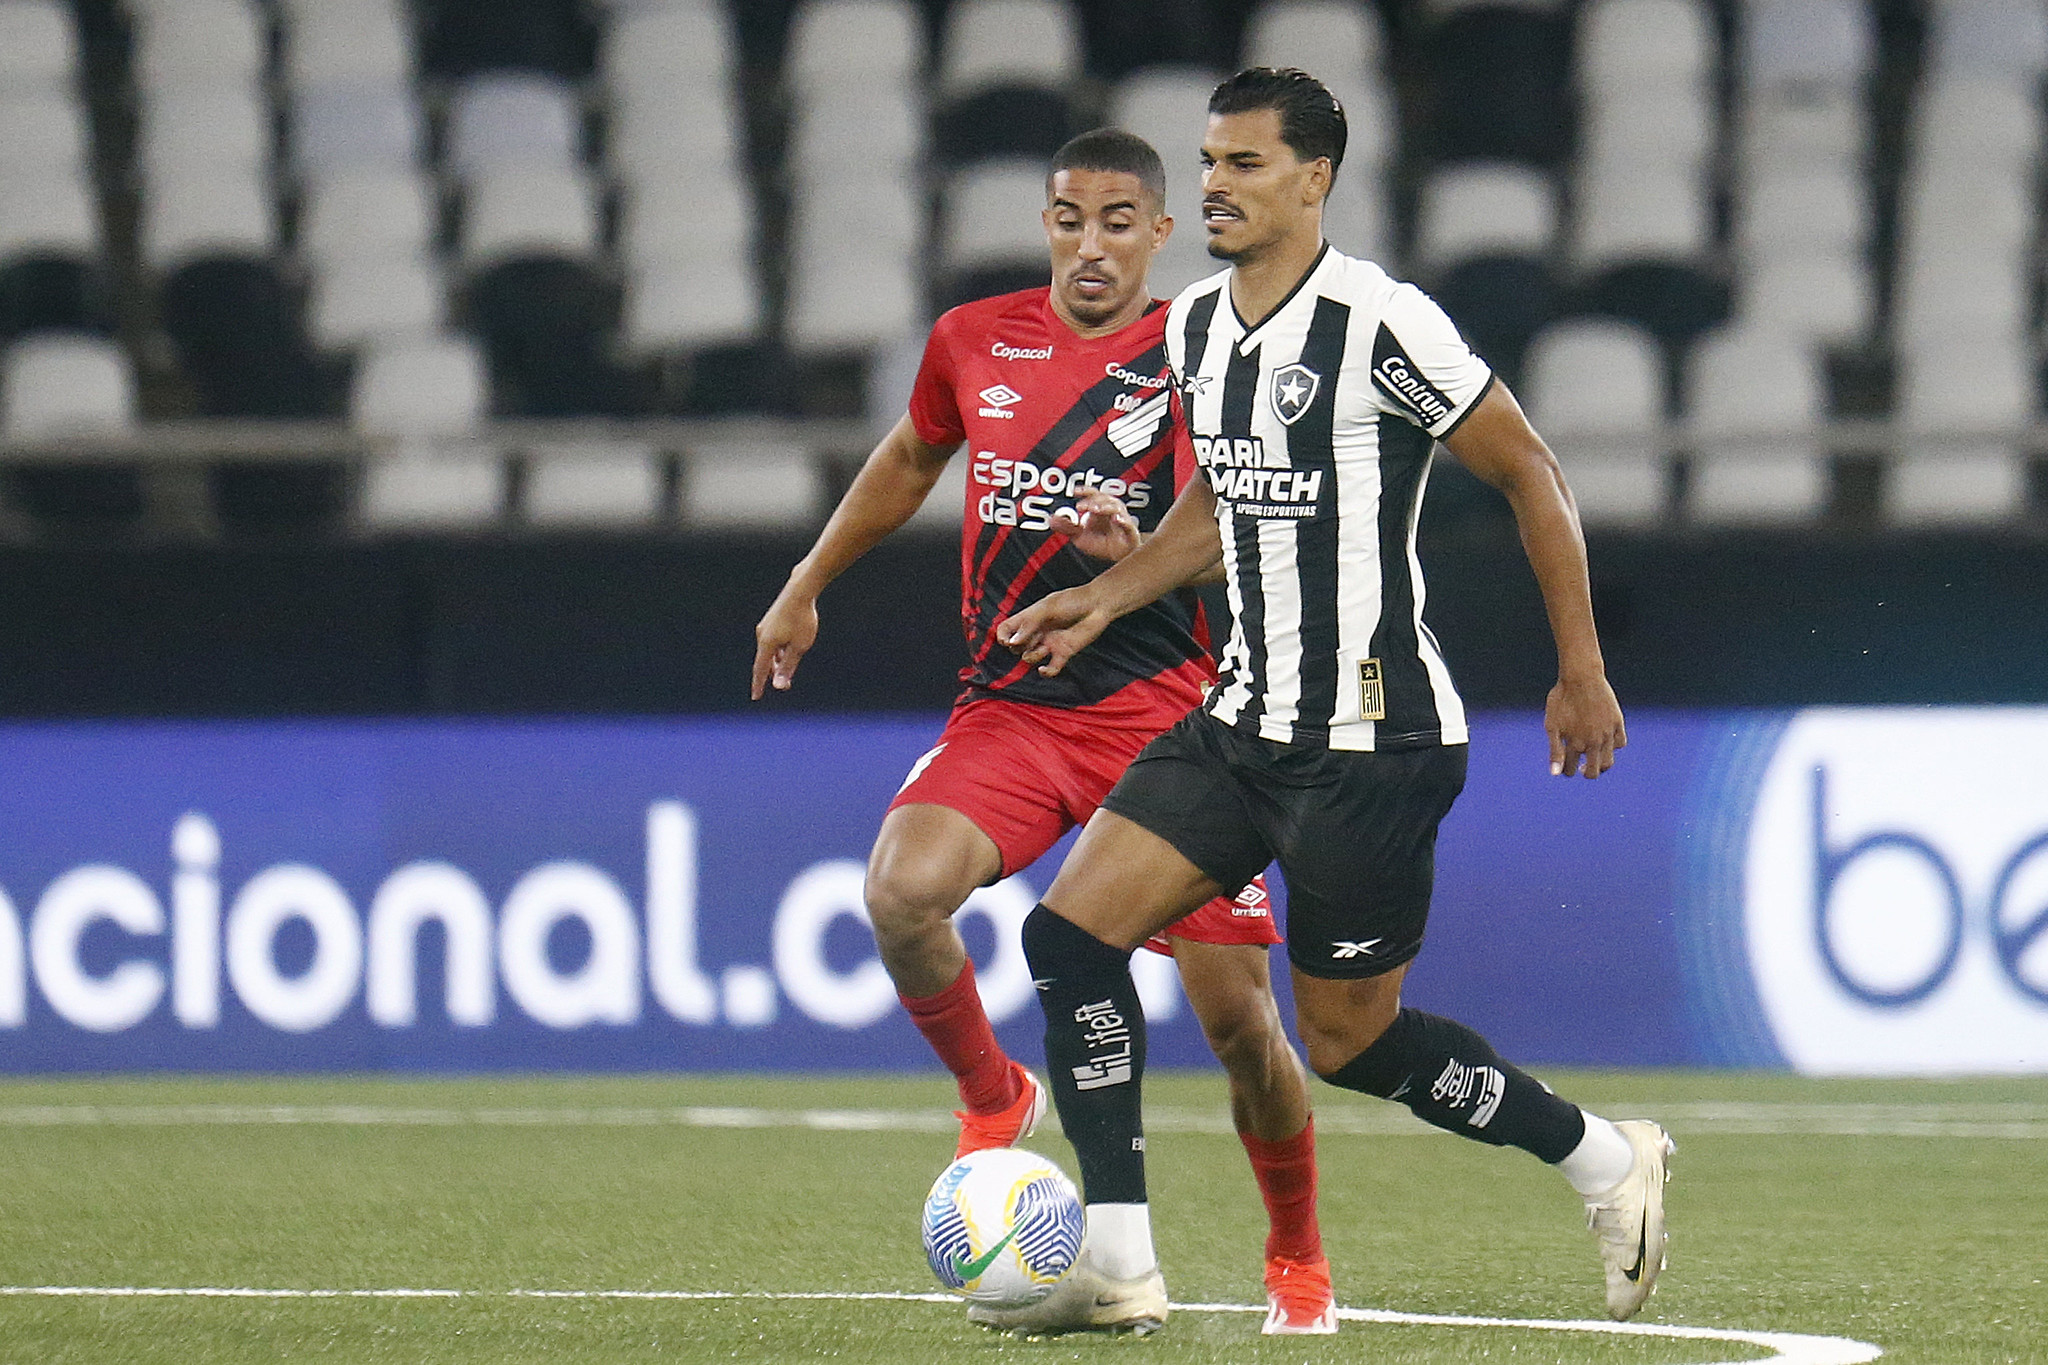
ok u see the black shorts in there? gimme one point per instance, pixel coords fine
(1355, 833)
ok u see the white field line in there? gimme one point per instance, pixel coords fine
(1793, 1348)
(2018, 1121)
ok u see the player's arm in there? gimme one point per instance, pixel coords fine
(898, 476)
(1496, 442)
(1060, 625)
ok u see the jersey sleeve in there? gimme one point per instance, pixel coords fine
(1421, 368)
(934, 410)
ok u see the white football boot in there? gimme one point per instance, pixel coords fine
(1628, 1220)
(1085, 1301)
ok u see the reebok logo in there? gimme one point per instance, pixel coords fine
(1344, 949)
(998, 398)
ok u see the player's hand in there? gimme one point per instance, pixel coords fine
(782, 639)
(1053, 629)
(1099, 525)
(1584, 723)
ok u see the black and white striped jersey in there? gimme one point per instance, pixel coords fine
(1316, 428)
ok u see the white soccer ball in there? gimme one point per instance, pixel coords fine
(1002, 1226)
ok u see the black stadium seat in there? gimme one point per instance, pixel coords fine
(1499, 303)
(1501, 86)
(465, 37)
(234, 325)
(1672, 301)
(53, 292)
(1007, 121)
(547, 326)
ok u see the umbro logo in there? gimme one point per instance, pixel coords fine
(999, 398)
(1345, 948)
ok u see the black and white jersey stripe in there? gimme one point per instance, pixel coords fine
(1315, 428)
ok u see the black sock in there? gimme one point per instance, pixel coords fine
(1095, 1052)
(1452, 1078)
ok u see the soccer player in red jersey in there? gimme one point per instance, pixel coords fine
(1063, 401)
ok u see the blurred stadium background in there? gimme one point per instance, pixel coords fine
(365, 356)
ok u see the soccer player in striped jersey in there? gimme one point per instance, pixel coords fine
(1062, 396)
(1315, 388)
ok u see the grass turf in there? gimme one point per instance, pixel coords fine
(1934, 1247)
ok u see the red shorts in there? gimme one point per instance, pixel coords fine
(1025, 775)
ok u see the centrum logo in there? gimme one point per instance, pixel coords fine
(1894, 891)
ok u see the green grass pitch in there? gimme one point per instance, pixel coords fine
(1912, 1215)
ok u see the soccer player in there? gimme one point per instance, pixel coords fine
(1063, 395)
(1334, 741)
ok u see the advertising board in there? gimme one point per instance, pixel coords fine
(1852, 891)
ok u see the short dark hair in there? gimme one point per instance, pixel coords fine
(1114, 151)
(1312, 122)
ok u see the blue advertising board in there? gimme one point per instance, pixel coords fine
(1846, 891)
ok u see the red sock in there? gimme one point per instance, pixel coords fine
(1287, 1179)
(957, 1027)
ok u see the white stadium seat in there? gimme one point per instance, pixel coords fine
(1942, 293)
(710, 298)
(991, 215)
(889, 209)
(199, 42)
(1955, 486)
(1648, 213)
(420, 388)
(1756, 402)
(641, 139)
(504, 120)
(1671, 125)
(1341, 42)
(357, 299)
(1595, 388)
(756, 484)
(1988, 37)
(846, 131)
(368, 211)
(1485, 209)
(1647, 42)
(223, 212)
(655, 49)
(203, 129)
(1169, 108)
(347, 42)
(1009, 42)
(1975, 380)
(1594, 375)
(335, 128)
(1825, 294)
(1821, 42)
(617, 484)
(38, 46)
(1966, 122)
(527, 211)
(55, 385)
(40, 131)
(853, 41)
(1797, 210)
(673, 219)
(421, 487)
(843, 297)
(52, 210)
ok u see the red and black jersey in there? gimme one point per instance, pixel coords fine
(1047, 415)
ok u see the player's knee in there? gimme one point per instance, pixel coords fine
(909, 897)
(1244, 1033)
(1333, 1043)
(1059, 949)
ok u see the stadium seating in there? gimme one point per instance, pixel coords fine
(1595, 389)
(1004, 71)
(1756, 399)
(742, 485)
(58, 385)
(1169, 108)
(618, 485)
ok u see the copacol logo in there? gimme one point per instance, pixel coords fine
(1895, 891)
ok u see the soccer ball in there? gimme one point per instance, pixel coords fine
(1002, 1226)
